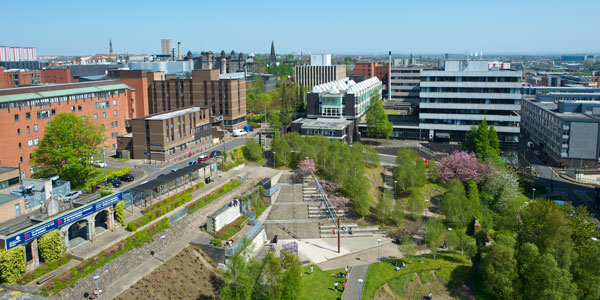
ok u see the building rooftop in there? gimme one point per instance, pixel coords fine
(174, 114)
(324, 123)
(345, 85)
(57, 90)
(4, 169)
(8, 198)
(552, 107)
(238, 75)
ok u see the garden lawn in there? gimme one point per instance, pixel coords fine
(97, 175)
(381, 273)
(232, 228)
(319, 285)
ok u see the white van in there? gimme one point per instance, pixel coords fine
(239, 132)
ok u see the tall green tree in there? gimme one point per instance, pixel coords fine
(385, 207)
(282, 150)
(459, 239)
(271, 276)
(408, 248)
(292, 281)
(411, 171)
(498, 272)
(240, 276)
(455, 205)
(434, 235)
(416, 203)
(258, 84)
(69, 144)
(378, 124)
(483, 141)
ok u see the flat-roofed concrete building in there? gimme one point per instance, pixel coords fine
(405, 84)
(168, 136)
(9, 177)
(464, 94)
(224, 95)
(310, 76)
(25, 111)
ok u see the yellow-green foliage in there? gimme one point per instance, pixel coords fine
(120, 212)
(50, 246)
(117, 174)
(12, 264)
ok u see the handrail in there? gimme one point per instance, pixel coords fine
(332, 212)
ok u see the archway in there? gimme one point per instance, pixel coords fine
(101, 222)
(78, 233)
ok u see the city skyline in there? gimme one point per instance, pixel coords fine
(534, 27)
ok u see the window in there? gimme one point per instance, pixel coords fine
(95, 116)
(35, 128)
(32, 170)
(30, 143)
(112, 135)
(115, 112)
(114, 102)
(27, 129)
(19, 145)
(43, 114)
(18, 209)
(168, 139)
(36, 141)
(21, 159)
(53, 112)
(28, 116)
(104, 115)
(18, 131)
(116, 123)
(16, 117)
(103, 104)
(72, 108)
(79, 108)
(114, 146)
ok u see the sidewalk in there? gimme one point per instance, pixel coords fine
(354, 287)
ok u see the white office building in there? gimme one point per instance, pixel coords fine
(465, 93)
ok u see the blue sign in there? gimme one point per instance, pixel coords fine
(76, 215)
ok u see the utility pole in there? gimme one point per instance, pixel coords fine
(338, 232)
(104, 158)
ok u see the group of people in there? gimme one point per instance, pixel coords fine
(398, 267)
(234, 202)
(229, 242)
(339, 275)
(344, 230)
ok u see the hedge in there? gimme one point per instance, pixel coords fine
(12, 264)
(44, 269)
(224, 189)
(161, 208)
(88, 266)
(50, 246)
(256, 201)
(120, 173)
(120, 212)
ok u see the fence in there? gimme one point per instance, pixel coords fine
(250, 236)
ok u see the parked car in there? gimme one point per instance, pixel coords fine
(72, 196)
(216, 153)
(425, 160)
(239, 132)
(203, 157)
(191, 162)
(127, 177)
(159, 176)
(174, 170)
(98, 164)
(115, 182)
(248, 128)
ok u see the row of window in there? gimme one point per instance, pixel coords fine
(44, 114)
(104, 115)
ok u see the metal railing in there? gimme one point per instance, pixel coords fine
(332, 212)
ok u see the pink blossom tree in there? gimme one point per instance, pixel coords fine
(461, 165)
(338, 200)
(328, 186)
(307, 166)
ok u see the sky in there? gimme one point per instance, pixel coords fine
(62, 27)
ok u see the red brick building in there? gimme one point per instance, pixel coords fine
(56, 76)
(16, 78)
(25, 111)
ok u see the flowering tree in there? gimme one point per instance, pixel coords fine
(328, 186)
(307, 166)
(338, 200)
(461, 165)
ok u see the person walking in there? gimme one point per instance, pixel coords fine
(335, 284)
(311, 269)
(347, 271)
(343, 286)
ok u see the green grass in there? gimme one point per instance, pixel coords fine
(224, 189)
(385, 271)
(97, 175)
(319, 285)
(44, 269)
(232, 228)
(123, 159)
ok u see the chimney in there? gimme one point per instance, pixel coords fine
(390, 76)
(178, 50)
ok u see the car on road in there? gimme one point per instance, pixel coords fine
(126, 178)
(159, 176)
(174, 170)
(191, 162)
(98, 164)
(72, 196)
(239, 132)
(203, 157)
(216, 153)
(115, 182)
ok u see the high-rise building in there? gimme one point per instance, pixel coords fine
(14, 54)
(230, 63)
(464, 94)
(224, 95)
(314, 75)
(25, 111)
(272, 56)
(166, 46)
(321, 60)
(405, 84)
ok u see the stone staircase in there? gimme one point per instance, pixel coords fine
(309, 189)
(326, 231)
(322, 213)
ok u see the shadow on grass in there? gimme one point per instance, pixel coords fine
(461, 283)
(216, 282)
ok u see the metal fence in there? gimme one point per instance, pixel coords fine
(250, 235)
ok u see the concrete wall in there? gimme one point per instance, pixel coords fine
(221, 218)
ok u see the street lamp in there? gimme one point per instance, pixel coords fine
(163, 237)
(533, 194)
(395, 182)
(378, 257)
(274, 165)
(104, 159)
(360, 281)
(426, 207)
(96, 277)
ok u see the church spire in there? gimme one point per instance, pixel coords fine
(110, 47)
(272, 57)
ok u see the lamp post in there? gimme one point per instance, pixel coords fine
(104, 159)
(378, 244)
(448, 242)
(426, 207)
(96, 277)
(274, 165)
(163, 237)
(360, 281)
(395, 182)
(533, 193)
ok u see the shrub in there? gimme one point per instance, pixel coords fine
(226, 188)
(215, 242)
(119, 173)
(120, 212)
(12, 264)
(105, 191)
(50, 246)
(253, 151)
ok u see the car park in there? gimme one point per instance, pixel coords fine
(216, 153)
(72, 196)
(115, 182)
(126, 178)
(203, 157)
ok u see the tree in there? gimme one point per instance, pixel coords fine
(433, 235)
(503, 185)
(455, 205)
(307, 166)
(408, 248)
(291, 282)
(416, 203)
(378, 124)
(498, 272)
(253, 151)
(282, 150)
(68, 145)
(459, 239)
(461, 165)
(483, 141)
(258, 84)
(358, 188)
(12, 264)
(239, 278)
(385, 207)
(411, 171)
(271, 276)
(50, 246)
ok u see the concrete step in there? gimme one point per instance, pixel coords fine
(346, 235)
(354, 230)
(331, 226)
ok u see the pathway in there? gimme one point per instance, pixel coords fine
(354, 286)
